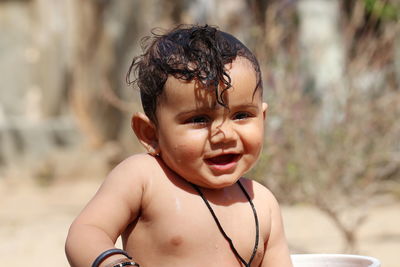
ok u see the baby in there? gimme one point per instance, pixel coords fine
(186, 202)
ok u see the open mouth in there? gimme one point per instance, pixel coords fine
(223, 159)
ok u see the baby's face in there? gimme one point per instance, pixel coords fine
(204, 142)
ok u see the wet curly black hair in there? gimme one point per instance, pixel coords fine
(187, 52)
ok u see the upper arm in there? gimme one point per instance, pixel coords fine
(276, 247)
(118, 200)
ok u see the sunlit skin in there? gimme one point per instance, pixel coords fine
(204, 142)
(148, 199)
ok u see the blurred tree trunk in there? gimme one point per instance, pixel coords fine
(323, 57)
(101, 37)
(90, 71)
(49, 26)
(259, 8)
(397, 55)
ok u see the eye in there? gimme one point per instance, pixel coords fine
(202, 119)
(241, 115)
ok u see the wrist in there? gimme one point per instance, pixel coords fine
(112, 260)
(110, 254)
(121, 262)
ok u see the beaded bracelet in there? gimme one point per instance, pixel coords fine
(122, 262)
(107, 254)
(126, 263)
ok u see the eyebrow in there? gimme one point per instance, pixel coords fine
(249, 105)
(195, 110)
(208, 109)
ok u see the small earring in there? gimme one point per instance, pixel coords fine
(152, 151)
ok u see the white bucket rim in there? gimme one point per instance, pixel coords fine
(305, 257)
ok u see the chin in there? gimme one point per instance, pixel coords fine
(219, 183)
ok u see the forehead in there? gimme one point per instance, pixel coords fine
(243, 79)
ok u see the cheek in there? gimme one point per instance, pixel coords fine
(254, 133)
(184, 152)
(254, 139)
(185, 146)
(256, 145)
(183, 155)
(191, 145)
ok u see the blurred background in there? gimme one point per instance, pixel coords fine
(331, 71)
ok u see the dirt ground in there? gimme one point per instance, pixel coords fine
(34, 222)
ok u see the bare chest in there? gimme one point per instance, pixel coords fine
(177, 227)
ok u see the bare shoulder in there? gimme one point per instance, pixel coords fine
(133, 170)
(136, 163)
(130, 178)
(260, 192)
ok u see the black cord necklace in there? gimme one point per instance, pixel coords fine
(222, 230)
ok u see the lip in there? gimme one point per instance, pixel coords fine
(223, 162)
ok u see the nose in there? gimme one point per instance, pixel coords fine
(223, 132)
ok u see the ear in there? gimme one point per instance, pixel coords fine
(264, 109)
(145, 131)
